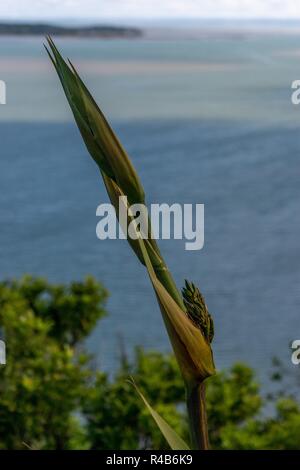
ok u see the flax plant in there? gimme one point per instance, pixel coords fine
(187, 320)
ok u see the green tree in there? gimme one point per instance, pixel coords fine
(232, 398)
(279, 432)
(72, 310)
(45, 378)
(51, 398)
(117, 418)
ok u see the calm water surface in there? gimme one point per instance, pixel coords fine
(208, 121)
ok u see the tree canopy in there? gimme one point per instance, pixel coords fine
(52, 398)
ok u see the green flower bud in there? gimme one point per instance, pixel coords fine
(192, 350)
(196, 310)
(100, 140)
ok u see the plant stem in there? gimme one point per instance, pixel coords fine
(197, 416)
(165, 277)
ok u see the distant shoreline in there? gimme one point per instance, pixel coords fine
(225, 30)
(41, 29)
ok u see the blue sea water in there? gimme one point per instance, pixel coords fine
(207, 121)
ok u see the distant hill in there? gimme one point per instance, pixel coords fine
(27, 29)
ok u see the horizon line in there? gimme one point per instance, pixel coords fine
(155, 18)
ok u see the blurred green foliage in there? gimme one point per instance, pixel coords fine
(45, 379)
(52, 398)
(116, 416)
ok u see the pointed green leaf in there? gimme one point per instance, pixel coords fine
(174, 441)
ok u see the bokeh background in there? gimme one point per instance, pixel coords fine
(203, 107)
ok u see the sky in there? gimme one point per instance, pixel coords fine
(147, 9)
